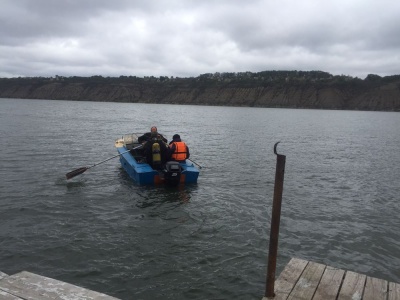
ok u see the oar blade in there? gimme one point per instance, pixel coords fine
(76, 172)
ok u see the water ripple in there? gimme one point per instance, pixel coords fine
(205, 241)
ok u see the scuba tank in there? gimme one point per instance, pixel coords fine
(156, 153)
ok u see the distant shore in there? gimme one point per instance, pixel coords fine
(283, 89)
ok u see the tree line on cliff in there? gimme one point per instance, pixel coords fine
(298, 89)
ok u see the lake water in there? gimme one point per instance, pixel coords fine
(102, 231)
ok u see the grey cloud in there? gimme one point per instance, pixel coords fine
(187, 38)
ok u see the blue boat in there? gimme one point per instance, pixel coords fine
(134, 162)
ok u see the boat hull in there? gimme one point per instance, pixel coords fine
(144, 174)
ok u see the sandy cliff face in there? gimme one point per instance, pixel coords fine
(384, 97)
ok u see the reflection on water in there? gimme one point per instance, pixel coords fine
(159, 195)
(203, 241)
(71, 184)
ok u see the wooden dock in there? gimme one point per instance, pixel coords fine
(306, 280)
(29, 286)
(300, 280)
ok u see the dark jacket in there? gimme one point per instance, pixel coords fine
(164, 152)
(147, 137)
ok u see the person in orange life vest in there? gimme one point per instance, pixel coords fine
(148, 135)
(179, 151)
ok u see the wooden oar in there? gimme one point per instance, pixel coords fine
(81, 170)
(194, 163)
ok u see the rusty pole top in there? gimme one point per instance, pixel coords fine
(276, 144)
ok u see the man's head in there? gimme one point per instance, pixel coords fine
(176, 137)
(153, 129)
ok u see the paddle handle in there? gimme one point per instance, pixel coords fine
(194, 163)
(113, 157)
(81, 170)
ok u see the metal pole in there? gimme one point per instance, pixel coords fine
(275, 220)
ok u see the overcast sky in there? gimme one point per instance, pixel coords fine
(184, 38)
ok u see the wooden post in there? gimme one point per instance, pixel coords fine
(275, 220)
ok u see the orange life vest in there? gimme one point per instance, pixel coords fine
(180, 151)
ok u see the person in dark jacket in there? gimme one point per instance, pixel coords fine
(178, 149)
(156, 151)
(148, 135)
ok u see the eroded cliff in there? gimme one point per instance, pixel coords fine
(382, 94)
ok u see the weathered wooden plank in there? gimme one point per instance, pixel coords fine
(308, 281)
(329, 285)
(7, 296)
(394, 291)
(375, 289)
(288, 278)
(30, 286)
(2, 275)
(4, 295)
(312, 281)
(352, 286)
